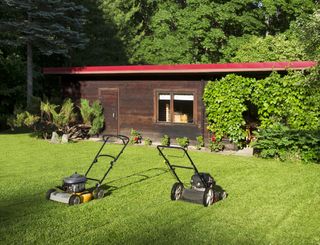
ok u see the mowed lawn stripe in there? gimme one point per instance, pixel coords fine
(269, 202)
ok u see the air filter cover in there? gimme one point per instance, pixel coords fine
(75, 179)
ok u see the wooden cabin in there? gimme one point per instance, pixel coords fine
(155, 99)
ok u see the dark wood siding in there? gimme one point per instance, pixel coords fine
(137, 104)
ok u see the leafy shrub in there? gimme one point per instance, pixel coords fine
(30, 120)
(200, 142)
(183, 142)
(288, 144)
(62, 119)
(135, 137)
(92, 116)
(97, 118)
(165, 140)
(85, 111)
(286, 99)
(65, 117)
(225, 104)
(23, 119)
(147, 141)
(216, 146)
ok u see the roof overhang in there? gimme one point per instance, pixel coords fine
(181, 68)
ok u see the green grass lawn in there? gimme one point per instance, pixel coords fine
(269, 202)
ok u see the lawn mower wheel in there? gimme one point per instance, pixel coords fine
(74, 200)
(208, 197)
(176, 191)
(98, 193)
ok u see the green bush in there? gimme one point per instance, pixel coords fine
(200, 142)
(216, 146)
(288, 144)
(225, 104)
(183, 142)
(62, 119)
(292, 100)
(97, 118)
(23, 119)
(85, 111)
(147, 141)
(165, 140)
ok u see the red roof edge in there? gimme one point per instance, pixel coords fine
(183, 68)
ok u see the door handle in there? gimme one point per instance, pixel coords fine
(113, 115)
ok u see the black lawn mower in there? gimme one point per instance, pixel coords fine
(203, 188)
(73, 190)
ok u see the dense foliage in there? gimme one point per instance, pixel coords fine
(290, 100)
(62, 119)
(225, 104)
(237, 105)
(47, 27)
(12, 84)
(308, 30)
(197, 31)
(288, 144)
(281, 47)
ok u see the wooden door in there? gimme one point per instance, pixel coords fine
(109, 101)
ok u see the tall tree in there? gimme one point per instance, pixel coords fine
(49, 26)
(132, 20)
(281, 47)
(308, 30)
(105, 46)
(197, 31)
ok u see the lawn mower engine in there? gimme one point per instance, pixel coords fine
(71, 191)
(201, 190)
(196, 182)
(75, 183)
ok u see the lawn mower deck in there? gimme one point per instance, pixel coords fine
(73, 189)
(203, 188)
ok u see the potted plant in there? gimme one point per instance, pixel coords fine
(135, 137)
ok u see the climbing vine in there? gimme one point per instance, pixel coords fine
(290, 100)
(225, 105)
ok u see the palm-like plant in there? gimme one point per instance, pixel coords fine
(86, 112)
(46, 110)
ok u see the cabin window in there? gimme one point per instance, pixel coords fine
(164, 108)
(175, 107)
(183, 108)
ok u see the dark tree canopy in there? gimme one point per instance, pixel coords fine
(53, 27)
(197, 31)
(50, 27)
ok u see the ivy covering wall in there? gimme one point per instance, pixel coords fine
(291, 100)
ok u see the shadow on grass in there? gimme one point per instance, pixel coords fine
(17, 131)
(22, 206)
(142, 175)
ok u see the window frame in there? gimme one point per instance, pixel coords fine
(173, 92)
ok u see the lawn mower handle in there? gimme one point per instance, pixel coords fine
(172, 167)
(124, 138)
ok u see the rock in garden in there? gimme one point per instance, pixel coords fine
(65, 138)
(55, 138)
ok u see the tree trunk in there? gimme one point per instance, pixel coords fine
(29, 73)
